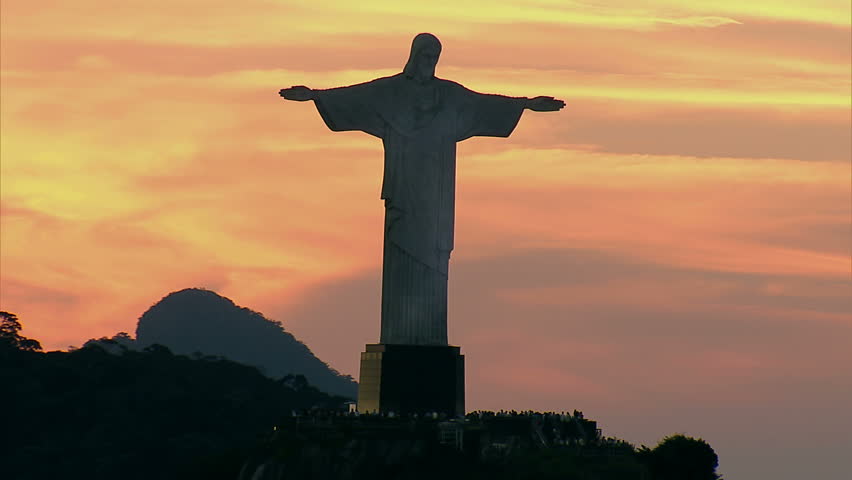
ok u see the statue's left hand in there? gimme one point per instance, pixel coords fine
(545, 104)
(299, 93)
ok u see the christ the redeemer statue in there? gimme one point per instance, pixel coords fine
(419, 118)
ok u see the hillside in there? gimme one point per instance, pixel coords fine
(138, 415)
(196, 320)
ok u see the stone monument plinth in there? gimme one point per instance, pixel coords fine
(408, 379)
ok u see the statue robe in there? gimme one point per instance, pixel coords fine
(419, 126)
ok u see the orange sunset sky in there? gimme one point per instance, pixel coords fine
(669, 253)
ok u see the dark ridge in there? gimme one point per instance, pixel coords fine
(195, 320)
(92, 414)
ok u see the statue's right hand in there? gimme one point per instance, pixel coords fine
(299, 93)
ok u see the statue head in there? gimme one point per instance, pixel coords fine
(425, 50)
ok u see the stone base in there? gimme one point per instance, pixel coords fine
(408, 379)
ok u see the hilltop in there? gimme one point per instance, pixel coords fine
(198, 321)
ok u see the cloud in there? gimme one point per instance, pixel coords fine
(678, 348)
(669, 252)
(253, 21)
(702, 131)
(14, 290)
(707, 21)
(600, 304)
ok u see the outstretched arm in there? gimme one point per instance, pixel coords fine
(344, 108)
(544, 104)
(299, 93)
(484, 115)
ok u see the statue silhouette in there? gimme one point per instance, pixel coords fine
(419, 118)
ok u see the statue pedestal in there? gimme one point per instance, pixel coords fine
(407, 379)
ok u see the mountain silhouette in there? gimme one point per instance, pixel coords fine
(196, 320)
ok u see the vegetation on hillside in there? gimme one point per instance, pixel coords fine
(92, 414)
(143, 414)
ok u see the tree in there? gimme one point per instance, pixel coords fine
(678, 457)
(10, 338)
